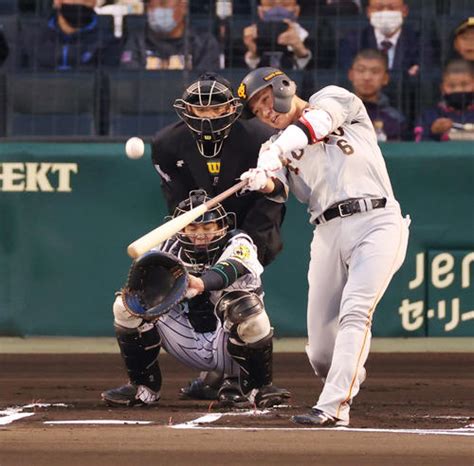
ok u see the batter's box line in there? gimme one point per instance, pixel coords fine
(9, 415)
(198, 423)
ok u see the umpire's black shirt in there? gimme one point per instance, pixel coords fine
(182, 168)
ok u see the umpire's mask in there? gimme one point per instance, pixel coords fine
(209, 109)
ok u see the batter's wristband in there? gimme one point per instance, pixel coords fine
(305, 125)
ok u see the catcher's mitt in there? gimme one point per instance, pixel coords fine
(156, 282)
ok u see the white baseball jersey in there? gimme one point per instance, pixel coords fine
(348, 164)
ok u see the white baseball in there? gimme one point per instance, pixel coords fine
(135, 148)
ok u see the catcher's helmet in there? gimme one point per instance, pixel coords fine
(203, 246)
(209, 93)
(283, 89)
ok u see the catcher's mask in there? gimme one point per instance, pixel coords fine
(209, 109)
(203, 239)
(283, 89)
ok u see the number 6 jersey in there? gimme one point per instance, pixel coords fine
(347, 164)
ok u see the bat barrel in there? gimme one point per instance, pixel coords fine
(169, 229)
(164, 232)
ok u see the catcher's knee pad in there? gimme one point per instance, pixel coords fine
(122, 317)
(244, 316)
(140, 349)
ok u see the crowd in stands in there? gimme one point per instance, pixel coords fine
(397, 59)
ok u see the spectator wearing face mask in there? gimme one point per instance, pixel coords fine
(278, 40)
(168, 43)
(453, 116)
(388, 33)
(71, 39)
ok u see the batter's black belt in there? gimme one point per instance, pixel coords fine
(351, 207)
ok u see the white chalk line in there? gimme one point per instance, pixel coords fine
(444, 417)
(4, 420)
(15, 413)
(9, 415)
(213, 417)
(99, 421)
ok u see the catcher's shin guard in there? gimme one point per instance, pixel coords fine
(255, 361)
(140, 351)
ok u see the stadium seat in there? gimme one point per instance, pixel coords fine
(9, 26)
(141, 102)
(8, 7)
(52, 104)
(234, 76)
(35, 7)
(2, 105)
(133, 23)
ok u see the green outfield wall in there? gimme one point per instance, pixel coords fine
(69, 210)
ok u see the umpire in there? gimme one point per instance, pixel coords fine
(209, 149)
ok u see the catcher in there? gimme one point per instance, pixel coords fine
(200, 298)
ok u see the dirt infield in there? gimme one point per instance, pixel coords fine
(428, 395)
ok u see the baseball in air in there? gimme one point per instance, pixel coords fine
(135, 148)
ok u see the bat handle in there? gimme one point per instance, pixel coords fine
(225, 194)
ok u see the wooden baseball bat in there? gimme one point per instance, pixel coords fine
(170, 228)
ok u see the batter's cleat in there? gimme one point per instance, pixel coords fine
(131, 395)
(230, 395)
(269, 395)
(198, 390)
(318, 418)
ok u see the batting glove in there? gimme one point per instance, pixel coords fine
(256, 179)
(269, 158)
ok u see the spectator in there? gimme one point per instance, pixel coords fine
(168, 43)
(463, 42)
(453, 116)
(278, 40)
(70, 39)
(389, 33)
(4, 50)
(368, 76)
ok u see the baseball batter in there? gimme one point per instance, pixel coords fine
(327, 155)
(221, 326)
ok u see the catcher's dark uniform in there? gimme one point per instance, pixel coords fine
(182, 168)
(183, 329)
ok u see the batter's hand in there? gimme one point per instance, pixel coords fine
(269, 158)
(257, 179)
